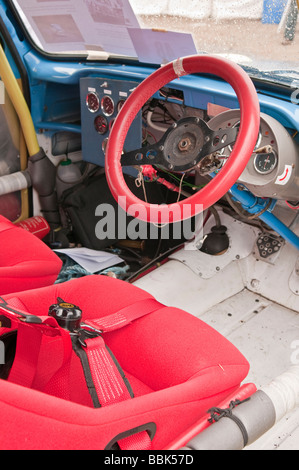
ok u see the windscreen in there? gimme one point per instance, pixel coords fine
(262, 35)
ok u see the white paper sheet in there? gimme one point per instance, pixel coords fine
(160, 47)
(76, 25)
(91, 260)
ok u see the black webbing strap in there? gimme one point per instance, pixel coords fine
(218, 413)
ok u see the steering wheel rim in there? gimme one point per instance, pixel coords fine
(236, 163)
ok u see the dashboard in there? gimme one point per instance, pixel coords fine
(101, 101)
(272, 171)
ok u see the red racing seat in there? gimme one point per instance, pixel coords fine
(178, 367)
(25, 261)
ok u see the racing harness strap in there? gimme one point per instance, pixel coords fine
(31, 329)
(104, 377)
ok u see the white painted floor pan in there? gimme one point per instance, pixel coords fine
(253, 303)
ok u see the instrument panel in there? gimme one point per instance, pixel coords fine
(272, 170)
(101, 100)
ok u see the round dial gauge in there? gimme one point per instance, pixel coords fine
(107, 105)
(104, 144)
(264, 163)
(92, 102)
(120, 105)
(101, 124)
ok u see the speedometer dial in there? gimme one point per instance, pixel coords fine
(92, 102)
(101, 124)
(259, 137)
(107, 105)
(264, 163)
(120, 105)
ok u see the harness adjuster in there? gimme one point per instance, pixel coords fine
(86, 332)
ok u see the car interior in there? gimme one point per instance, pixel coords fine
(149, 269)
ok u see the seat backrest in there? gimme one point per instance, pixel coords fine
(25, 261)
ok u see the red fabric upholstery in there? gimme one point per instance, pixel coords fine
(178, 368)
(25, 261)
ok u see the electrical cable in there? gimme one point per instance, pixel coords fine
(133, 277)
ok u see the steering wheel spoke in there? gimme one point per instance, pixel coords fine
(217, 140)
(149, 155)
(182, 146)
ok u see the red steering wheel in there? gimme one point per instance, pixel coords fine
(224, 179)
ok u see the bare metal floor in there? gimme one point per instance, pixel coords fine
(252, 303)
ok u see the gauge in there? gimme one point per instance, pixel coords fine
(92, 102)
(120, 105)
(264, 163)
(107, 105)
(104, 145)
(259, 137)
(111, 124)
(101, 124)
